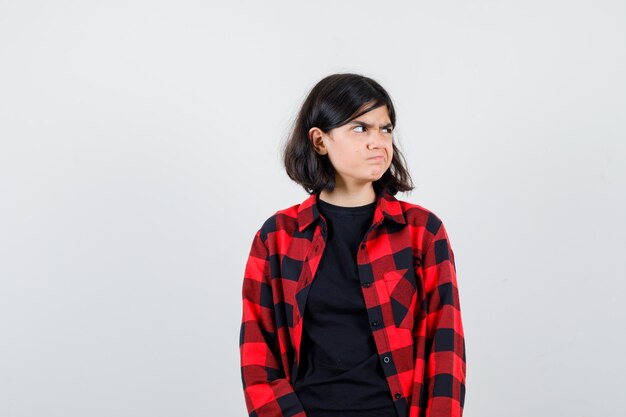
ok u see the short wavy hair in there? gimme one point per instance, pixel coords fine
(334, 101)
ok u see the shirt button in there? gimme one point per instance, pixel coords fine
(398, 396)
(375, 323)
(362, 245)
(386, 359)
(367, 284)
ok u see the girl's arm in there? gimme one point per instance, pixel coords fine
(266, 390)
(439, 380)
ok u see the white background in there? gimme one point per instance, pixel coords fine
(140, 152)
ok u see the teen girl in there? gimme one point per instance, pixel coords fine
(350, 299)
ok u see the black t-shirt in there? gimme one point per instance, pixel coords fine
(339, 374)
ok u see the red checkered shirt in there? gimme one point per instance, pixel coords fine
(408, 278)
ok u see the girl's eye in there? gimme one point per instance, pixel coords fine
(386, 129)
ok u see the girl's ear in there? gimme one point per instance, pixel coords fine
(316, 136)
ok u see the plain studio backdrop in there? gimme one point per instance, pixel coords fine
(140, 152)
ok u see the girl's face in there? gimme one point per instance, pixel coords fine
(361, 150)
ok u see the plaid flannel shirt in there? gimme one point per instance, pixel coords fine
(408, 278)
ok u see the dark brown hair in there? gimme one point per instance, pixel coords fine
(332, 102)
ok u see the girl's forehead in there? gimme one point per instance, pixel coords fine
(379, 112)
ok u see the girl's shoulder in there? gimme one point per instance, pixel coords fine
(284, 221)
(418, 215)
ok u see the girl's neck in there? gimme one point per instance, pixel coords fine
(349, 198)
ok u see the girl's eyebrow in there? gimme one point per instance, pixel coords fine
(359, 122)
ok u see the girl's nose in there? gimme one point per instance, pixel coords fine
(377, 139)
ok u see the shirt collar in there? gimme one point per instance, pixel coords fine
(386, 206)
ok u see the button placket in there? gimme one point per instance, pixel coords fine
(316, 248)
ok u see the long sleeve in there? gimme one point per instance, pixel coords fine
(439, 378)
(267, 392)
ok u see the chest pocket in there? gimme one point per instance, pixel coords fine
(401, 285)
